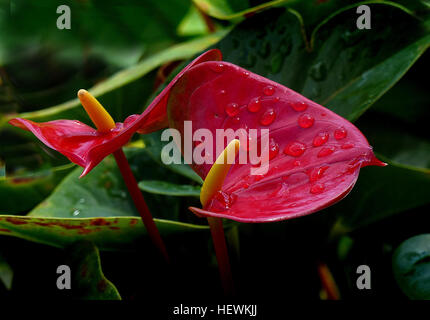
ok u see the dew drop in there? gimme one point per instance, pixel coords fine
(254, 105)
(320, 139)
(299, 105)
(225, 199)
(347, 146)
(273, 149)
(295, 149)
(76, 212)
(217, 67)
(340, 133)
(245, 73)
(317, 173)
(268, 117)
(317, 188)
(269, 90)
(236, 120)
(297, 163)
(232, 109)
(306, 120)
(324, 152)
(222, 91)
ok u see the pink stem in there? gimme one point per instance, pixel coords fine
(139, 202)
(221, 253)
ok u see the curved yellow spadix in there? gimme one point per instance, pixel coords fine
(215, 178)
(98, 115)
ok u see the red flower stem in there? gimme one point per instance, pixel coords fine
(139, 202)
(221, 253)
(327, 282)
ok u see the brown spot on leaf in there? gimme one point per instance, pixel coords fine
(16, 221)
(102, 285)
(99, 222)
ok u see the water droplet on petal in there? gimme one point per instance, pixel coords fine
(246, 73)
(273, 149)
(269, 90)
(268, 117)
(317, 173)
(217, 67)
(317, 188)
(299, 105)
(347, 146)
(306, 120)
(324, 152)
(254, 105)
(225, 199)
(232, 109)
(236, 120)
(295, 149)
(320, 139)
(297, 163)
(340, 133)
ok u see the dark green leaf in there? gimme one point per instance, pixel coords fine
(154, 147)
(19, 194)
(347, 70)
(411, 267)
(170, 189)
(88, 280)
(72, 110)
(108, 233)
(6, 273)
(381, 193)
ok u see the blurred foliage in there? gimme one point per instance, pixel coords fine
(122, 52)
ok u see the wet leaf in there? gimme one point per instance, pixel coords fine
(347, 70)
(99, 208)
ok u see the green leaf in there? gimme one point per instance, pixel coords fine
(109, 29)
(154, 146)
(99, 208)
(347, 70)
(103, 193)
(6, 273)
(19, 194)
(88, 280)
(233, 9)
(72, 110)
(396, 141)
(108, 233)
(411, 267)
(193, 24)
(170, 189)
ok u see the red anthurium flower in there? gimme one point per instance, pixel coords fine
(87, 146)
(315, 155)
